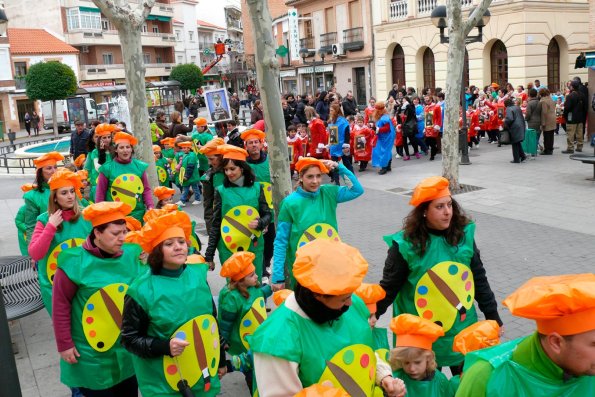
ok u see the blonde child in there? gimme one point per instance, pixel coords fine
(413, 360)
(164, 196)
(241, 309)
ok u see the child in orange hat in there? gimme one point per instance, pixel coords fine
(162, 165)
(19, 221)
(241, 307)
(164, 196)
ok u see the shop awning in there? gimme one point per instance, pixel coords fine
(107, 88)
(590, 59)
(158, 84)
(89, 9)
(158, 18)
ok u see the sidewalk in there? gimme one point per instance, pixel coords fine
(535, 218)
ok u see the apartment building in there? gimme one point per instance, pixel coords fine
(235, 76)
(523, 41)
(185, 29)
(590, 64)
(208, 35)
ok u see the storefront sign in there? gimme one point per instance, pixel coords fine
(294, 34)
(316, 69)
(106, 83)
(287, 73)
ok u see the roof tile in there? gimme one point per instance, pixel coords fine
(36, 41)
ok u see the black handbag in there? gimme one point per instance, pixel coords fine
(410, 128)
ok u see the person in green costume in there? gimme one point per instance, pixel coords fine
(241, 305)
(100, 155)
(413, 360)
(88, 298)
(370, 294)
(557, 360)
(169, 322)
(309, 213)
(433, 269)
(240, 212)
(188, 175)
(36, 200)
(124, 179)
(60, 228)
(162, 165)
(19, 221)
(212, 178)
(168, 148)
(201, 135)
(321, 333)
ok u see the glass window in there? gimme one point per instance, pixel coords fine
(72, 18)
(158, 58)
(178, 35)
(90, 20)
(146, 57)
(499, 63)
(155, 29)
(108, 58)
(20, 68)
(191, 35)
(553, 66)
(144, 28)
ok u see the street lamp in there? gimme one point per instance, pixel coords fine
(314, 63)
(3, 22)
(439, 19)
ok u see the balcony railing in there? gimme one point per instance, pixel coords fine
(397, 10)
(466, 3)
(326, 42)
(425, 7)
(353, 39)
(307, 47)
(234, 24)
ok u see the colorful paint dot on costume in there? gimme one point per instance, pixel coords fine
(131, 178)
(124, 178)
(225, 229)
(247, 323)
(64, 246)
(90, 306)
(421, 302)
(422, 290)
(171, 369)
(205, 324)
(269, 188)
(213, 363)
(372, 373)
(89, 320)
(465, 275)
(318, 229)
(453, 269)
(233, 247)
(181, 335)
(261, 302)
(121, 288)
(56, 254)
(467, 285)
(215, 344)
(348, 357)
(364, 360)
(213, 328)
(100, 345)
(117, 199)
(92, 333)
(327, 383)
(249, 211)
(228, 239)
(53, 266)
(237, 212)
(469, 298)
(336, 238)
(329, 232)
(302, 244)
(428, 314)
(118, 181)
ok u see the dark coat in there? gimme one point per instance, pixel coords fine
(515, 123)
(574, 108)
(533, 115)
(349, 107)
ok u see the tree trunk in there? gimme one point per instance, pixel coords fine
(457, 33)
(129, 21)
(267, 72)
(54, 118)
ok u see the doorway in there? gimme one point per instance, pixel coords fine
(360, 86)
(24, 106)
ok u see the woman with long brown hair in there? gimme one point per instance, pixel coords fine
(434, 271)
(338, 127)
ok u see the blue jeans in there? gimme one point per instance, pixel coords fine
(186, 192)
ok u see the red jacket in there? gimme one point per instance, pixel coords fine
(318, 135)
(432, 118)
(362, 151)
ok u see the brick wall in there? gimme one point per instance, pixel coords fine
(276, 8)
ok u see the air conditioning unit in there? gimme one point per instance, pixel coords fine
(338, 49)
(85, 49)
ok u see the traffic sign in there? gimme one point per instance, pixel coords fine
(282, 51)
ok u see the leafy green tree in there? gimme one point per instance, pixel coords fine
(51, 81)
(188, 74)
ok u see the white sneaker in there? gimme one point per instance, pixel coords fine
(180, 204)
(397, 156)
(196, 202)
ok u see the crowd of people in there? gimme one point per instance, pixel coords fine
(125, 280)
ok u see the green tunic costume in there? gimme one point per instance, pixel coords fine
(340, 352)
(438, 386)
(125, 184)
(201, 138)
(519, 368)
(92, 167)
(162, 166)
(97, 316)
(36, 203)
(189, 159)
(262, 172)
(160, 297)
(19, 222)
(439, 288)
(73, 234)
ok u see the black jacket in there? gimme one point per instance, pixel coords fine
(78, 143)
(396, 273)
(574, 106)
(349, 107)
(176, 129)
(235, 138)
(208, 197)
(215, 232)
(300, 111)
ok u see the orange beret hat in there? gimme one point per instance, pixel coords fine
(163, 192)
(63, 177)
(200, 122)
(132, 224)
(238, 266)
(305, 161)
(50, 158)
(195, 259)
(28, 186)
(318, 390)
(123, 137)
(370, 294)
(83, 174)
(253, 133)
(562, 304)
(167, 141)
(413, 331)
(280, 296)
(211, 147)
(79, 162)
(160, 228)
(156, 148)
(329, 267)
(105, 212)
(185, 144)
(106, 129)
(495, 85)
(232, 152)
(430, 189)
(477, 336)
(158, 212)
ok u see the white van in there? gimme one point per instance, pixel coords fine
(62, 115)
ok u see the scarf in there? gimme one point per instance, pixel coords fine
(316, 310)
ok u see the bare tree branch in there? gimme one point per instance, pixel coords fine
(475, 16)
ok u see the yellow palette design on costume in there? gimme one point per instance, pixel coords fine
(443, 292)
(236, 234)
(267, 188)
(352, 369)
(102, 316)
(384, 354)
(128, 189)
(200, 358)
(194, 242)
(182, 175)
(52, 263)
(252, 320)
(318, 231)
(161, 174)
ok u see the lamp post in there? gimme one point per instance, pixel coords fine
(314, 63)
(438, 18)
(3, 22)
